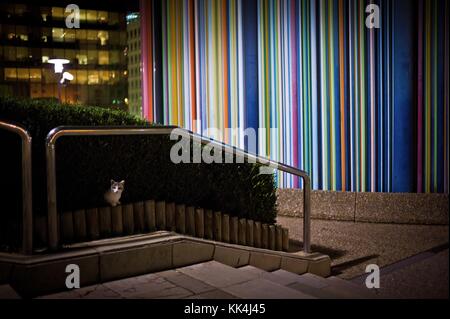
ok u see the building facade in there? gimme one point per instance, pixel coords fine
(134, 64)
(359, 108)
(32, 33)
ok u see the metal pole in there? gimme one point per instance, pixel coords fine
(27, 195)
(57, 132)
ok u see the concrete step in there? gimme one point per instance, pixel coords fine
(244, 282)
(261, 288)
(215, 274)
(7, 292)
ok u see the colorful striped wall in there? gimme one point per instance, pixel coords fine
(360, 109)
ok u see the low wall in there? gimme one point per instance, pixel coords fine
(402, 208)
(148, 216)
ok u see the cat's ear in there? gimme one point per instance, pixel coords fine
(122, 182)
(112, 181)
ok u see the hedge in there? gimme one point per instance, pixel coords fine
(85, 165)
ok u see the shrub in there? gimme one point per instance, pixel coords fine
(85, 165)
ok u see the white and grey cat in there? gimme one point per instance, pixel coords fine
(113, 194)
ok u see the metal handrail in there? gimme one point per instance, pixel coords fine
(27, 195)
(60, 131)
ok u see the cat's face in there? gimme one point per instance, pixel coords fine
(117, 186)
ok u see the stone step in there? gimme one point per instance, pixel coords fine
(261, 288)
(7, 292)
(244, 282)
(216, 274)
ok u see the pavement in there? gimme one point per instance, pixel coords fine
(413, 258)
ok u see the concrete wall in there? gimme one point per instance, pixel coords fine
(406, 208)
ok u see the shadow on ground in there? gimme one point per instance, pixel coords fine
(296, 245)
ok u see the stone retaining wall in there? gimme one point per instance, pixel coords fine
(403, 208)
(141, 217)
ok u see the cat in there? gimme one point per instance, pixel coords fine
(113, 194)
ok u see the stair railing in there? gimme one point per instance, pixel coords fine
(60, 131)
(27, 203)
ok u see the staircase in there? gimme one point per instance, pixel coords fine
(213, 280)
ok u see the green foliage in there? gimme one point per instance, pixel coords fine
(85, 165)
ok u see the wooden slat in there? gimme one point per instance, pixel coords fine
(199, 223)
(161, 215)
(242, 234)
(149, 215)
(257, 235)
(104, 215)
(66, 227)
(180, 219)
(265, 236)
(79, 225)
(225, 228)
(116, 221)
(92, 223)
(128, 219)
(170, 216)
(209, 224)
(190, 221)
(278, 237)
(234, 230)
(217, 226)
(138, 213)
(249, 233)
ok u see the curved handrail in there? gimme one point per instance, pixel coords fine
(27, 195)
(60, 131)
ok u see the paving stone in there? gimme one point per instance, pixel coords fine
(97, 292)
(264, 289)
(316, 292)
(214, 294)
(208, 273)
(156, 289)
(313, 281)
(189, 283)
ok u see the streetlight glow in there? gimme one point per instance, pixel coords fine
(59, 64)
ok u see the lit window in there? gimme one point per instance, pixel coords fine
(104, 77)
(92, 57)
(82, 15)
(10, 74)
(58, 34)
(82, 59)
(48, 75)
(45, 58)
(81, 35)
(81, 77)
(57, 13)
(35, 75)
(91, 16)
(103, 16)
(103, 57)
(92, 35)
(69, 35)
(22, 53)
(103, 36)
(23, 74)
(93, 78)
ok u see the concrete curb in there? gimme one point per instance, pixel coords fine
(111, 259)
(401, 208)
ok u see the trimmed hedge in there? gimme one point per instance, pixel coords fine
(85, 165)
